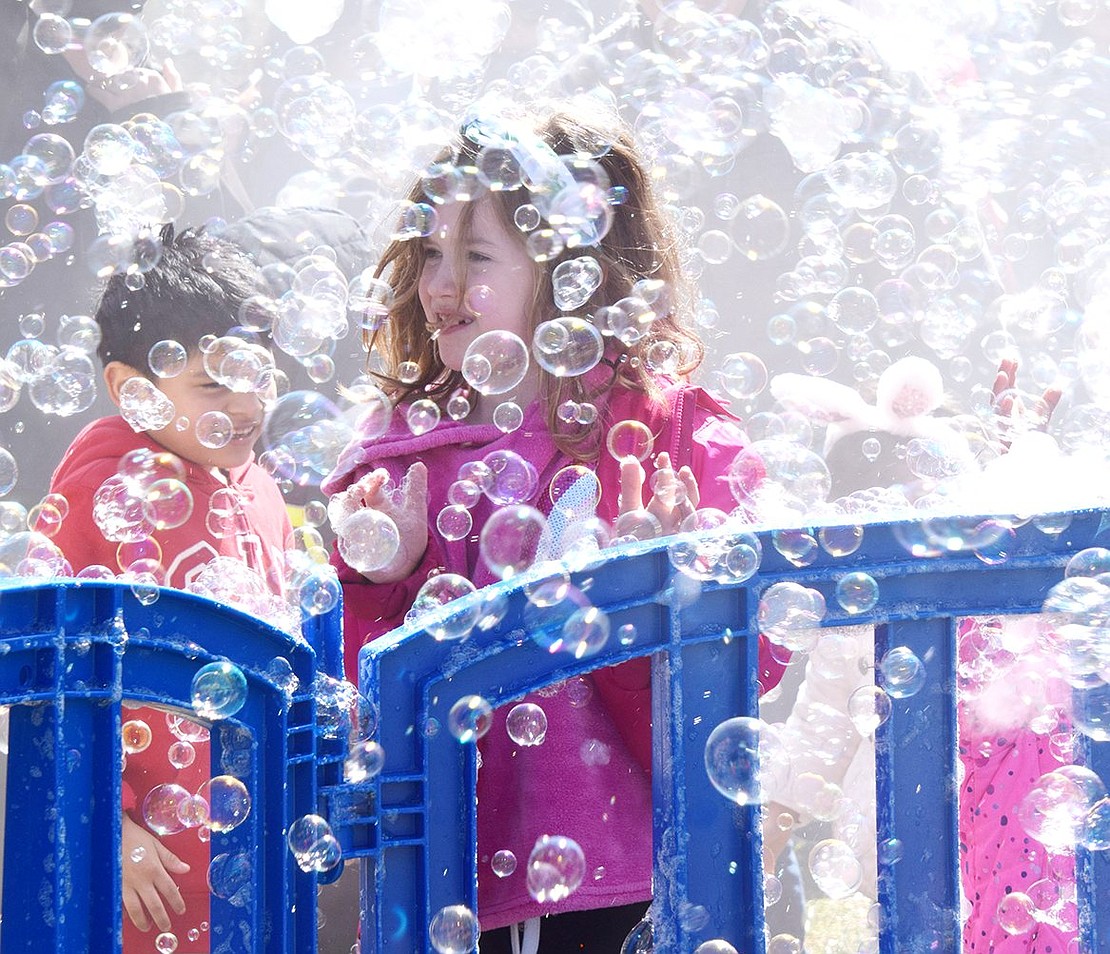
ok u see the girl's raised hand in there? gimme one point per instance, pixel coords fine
(674, 496)
(406, 506)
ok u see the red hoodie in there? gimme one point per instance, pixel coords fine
(262, 525)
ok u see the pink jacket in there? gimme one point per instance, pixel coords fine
(590, 779)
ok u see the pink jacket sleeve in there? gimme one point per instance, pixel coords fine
(372, 609)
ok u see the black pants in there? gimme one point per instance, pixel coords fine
(577, 932)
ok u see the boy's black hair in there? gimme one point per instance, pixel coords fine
(196, 289)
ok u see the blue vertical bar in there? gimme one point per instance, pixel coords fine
(707, 849)
(1092, 868)
(917, 796)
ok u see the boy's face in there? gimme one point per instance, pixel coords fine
(194, 394)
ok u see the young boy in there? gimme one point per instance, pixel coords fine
(163, 489)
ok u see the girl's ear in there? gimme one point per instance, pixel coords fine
(115, 374)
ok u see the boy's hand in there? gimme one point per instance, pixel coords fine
(407, 507)
(674, 496)
(147, 884)
(1014, 414)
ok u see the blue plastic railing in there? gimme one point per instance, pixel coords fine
(419, 841)
(69, 654)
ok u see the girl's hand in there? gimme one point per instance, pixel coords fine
(406, 506)
(674, 496)
(147, 883)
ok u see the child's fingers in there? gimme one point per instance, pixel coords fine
(135, 912)
(171, 75)
(170, 861)
(152, 900)
(414, 491)
(368, 490)
(690, 482)
(167, 888)
(1051, 398)
(632, 485)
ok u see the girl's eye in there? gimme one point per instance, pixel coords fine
(432, 253)
(478, 257)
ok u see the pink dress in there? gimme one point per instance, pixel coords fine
(1008, 740)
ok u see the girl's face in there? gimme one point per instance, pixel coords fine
(475, 280)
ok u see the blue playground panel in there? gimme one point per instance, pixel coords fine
(70, 652)
(419, 844)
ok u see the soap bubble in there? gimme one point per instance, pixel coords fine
(454, 930)
(857, 592)
(742, 756)
(510, 539)
(503, 863)
(231, 877)
(789, 613)
(779, 477)
(495, 362)
(507, 416)
(368, 540)
(761, 229)
(229, 802)
(364, 761)
(567, 346)
(585, 632)
(165, 943)
(868, 708)
(630, 439)
(1092, 561)
(507, 478)
(835, 868)
(181, 755)
(219, 690)
(1016, 913)
(304, 433)
(574, 281)
(556, 867)
(143, 406)
(437, 592)
(629, 320)
(214, 429)
(167, 359)
(162, 807)
(743, 375)
(716, 946)
(526, 724)
(185, 729)
(168, 504)
(902, 671)
(470, 718)
(136, 736)
(422, 416)
(115, 43)
(1055, 809)
(313, 845)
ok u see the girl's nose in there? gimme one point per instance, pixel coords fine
(442, 282)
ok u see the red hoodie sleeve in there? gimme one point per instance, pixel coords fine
(78, 537)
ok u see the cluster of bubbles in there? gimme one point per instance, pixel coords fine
(945, 228)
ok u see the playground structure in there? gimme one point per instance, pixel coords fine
(73, 651)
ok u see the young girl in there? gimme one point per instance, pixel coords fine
(496, 259)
